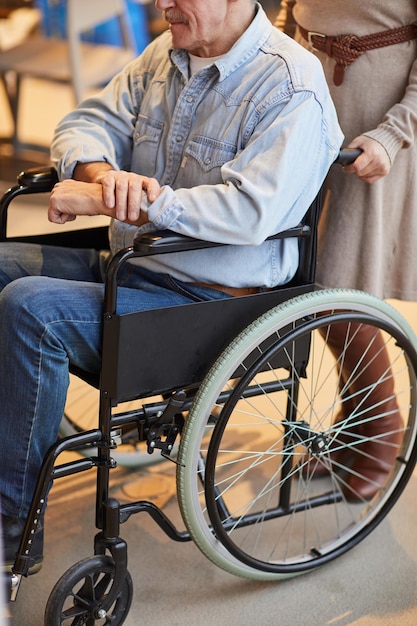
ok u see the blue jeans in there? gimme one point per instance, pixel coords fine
(51, 306)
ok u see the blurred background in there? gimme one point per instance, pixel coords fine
(41, 103)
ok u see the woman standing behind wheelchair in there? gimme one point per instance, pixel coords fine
(368, 230)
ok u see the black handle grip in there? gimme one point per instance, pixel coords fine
(38, 178)
(348, 155)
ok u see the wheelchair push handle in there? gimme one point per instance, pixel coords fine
(347, 156)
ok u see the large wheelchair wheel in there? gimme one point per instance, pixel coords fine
(261, 484)
(81, 414)
(78, 596)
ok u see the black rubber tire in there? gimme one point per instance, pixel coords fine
(79, 593)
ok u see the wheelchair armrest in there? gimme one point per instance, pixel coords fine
(38, 179)
(32, 180)
(166, 241)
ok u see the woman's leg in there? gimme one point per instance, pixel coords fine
(375, 423)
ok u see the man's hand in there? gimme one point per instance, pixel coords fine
(122, 192)
(70, 198)
(372, 164)
(97, 189)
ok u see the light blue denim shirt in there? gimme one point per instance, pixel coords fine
(240, 149)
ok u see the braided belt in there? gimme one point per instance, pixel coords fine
(345, 49)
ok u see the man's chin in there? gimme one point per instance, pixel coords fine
(179, 39)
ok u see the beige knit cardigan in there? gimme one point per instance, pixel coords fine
(368, 233)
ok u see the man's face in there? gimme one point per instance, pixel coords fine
(198, 26)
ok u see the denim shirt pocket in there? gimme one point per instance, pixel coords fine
(146, 140)
(207, 156)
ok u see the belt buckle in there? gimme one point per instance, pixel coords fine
(312, 33)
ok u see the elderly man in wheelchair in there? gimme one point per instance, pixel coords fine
(221, 131)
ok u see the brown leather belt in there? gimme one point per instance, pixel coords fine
(231, 291)
(345, 49)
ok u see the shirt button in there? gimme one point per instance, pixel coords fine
(207, 161)
(178, 138)
(190, 99)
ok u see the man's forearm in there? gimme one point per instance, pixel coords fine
(90, 172)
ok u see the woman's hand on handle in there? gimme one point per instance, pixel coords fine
(372, 164)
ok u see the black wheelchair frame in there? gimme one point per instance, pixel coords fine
(176, 371)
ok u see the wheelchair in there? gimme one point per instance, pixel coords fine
(244, 396)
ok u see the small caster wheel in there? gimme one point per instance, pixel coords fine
(78, 596)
